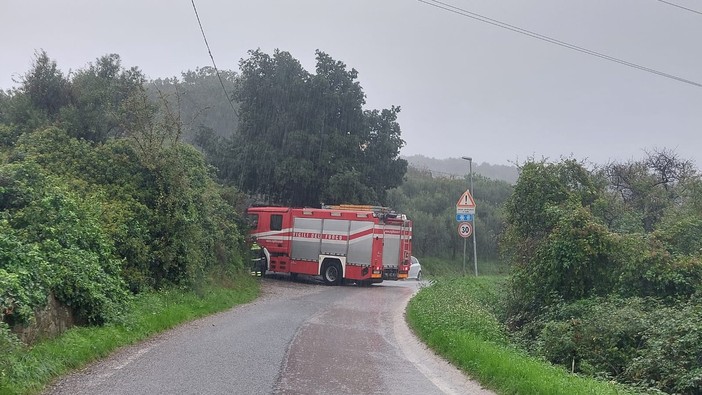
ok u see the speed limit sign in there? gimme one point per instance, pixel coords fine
(465, 229)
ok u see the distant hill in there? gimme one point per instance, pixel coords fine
(457, 167)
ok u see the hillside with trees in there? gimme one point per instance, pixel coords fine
(430, 202)
(457, 168)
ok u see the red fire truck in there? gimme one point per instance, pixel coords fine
(363, 244)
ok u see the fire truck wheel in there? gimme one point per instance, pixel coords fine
(332, 273)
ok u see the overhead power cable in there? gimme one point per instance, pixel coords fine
(212, 57)
(681, 7)
(494, 22)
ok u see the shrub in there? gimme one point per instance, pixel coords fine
(579, 258)
(54, 242)
(671, 360)
(164, 215)
(597, 336)
(651, 270)
(682, 234)
(23, 285)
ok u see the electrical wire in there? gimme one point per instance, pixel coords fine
(212, 57)
(494, 22)
(681, 7)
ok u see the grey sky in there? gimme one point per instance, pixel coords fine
(466, 88)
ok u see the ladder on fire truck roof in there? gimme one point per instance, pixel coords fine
(356, 207)
(379, 211)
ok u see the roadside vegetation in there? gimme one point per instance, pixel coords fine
(120, 202)
(460, 319)
(604, 279)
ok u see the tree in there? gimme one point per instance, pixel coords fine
(204, 98)
(304, 138)
(556, 247)
(382, 168)
(647, 188)
(98, 92)
(541, 186)
(46, 86)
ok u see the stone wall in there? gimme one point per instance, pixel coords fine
(49, 322)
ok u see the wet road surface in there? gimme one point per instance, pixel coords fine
(298, 338)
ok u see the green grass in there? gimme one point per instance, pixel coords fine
(30, 369)
(457, 318)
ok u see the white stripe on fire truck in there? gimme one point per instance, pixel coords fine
(301, 233)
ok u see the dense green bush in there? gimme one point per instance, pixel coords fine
(575, 260)
(598, 336)
(98, 195)
(162, 210)
(605, 271)
(672, 357)
(681, 234)
(53, 242)
(82, 220)
(23, 285)
(651, 270)
(640, 341)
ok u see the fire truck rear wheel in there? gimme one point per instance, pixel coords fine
(332, 273)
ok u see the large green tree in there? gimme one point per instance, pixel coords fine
(305, 139)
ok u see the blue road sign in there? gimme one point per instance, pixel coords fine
(464, 217)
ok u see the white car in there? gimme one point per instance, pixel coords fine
(415, 270)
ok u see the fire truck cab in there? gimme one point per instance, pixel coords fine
(363, 244)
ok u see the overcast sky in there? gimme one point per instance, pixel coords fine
(466, 88)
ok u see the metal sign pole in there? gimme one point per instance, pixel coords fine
(465, 211)
(475, 255)
(464, 257)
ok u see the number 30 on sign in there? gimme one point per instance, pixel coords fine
(465, 229)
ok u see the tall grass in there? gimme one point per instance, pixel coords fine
(457, 318)
(32, 368)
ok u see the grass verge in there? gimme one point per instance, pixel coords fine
(31, 369)
(457, 318)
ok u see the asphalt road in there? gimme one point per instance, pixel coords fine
(298, 338)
